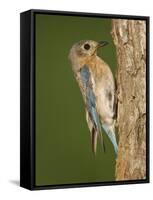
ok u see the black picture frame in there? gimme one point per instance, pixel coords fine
(27, 99)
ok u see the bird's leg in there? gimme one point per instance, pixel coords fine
(117, 99)
(115, 123)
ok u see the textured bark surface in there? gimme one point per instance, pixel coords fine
(130, 40)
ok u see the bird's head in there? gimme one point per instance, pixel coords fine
(85, 49)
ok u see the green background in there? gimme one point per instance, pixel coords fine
(63, 145)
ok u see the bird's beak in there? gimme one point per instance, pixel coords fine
(102, 44)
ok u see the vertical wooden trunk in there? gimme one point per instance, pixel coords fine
(130, 40)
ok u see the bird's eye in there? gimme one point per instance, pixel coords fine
(87, 46)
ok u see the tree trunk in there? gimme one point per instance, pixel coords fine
(130, 40)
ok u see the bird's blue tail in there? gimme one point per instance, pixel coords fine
(110, 133)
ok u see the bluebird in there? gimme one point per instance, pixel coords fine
(97, 86)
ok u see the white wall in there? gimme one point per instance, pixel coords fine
(9, 98)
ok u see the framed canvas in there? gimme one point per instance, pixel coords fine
(84, 99)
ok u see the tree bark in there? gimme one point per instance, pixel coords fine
(130, 40)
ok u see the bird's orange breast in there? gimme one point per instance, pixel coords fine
(97, 66)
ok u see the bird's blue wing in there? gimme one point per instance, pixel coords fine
(90, 97)
(85, 75)
(90, 100)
